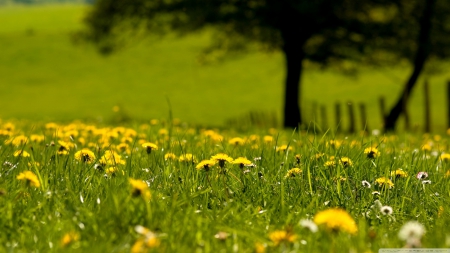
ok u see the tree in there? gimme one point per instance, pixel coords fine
(321, 31)
(425, 25)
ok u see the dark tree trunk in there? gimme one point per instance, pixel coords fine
(421, 56)
(294, 55)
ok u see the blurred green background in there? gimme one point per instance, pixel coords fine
(45, 76)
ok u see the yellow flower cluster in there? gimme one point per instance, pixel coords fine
(140, 188)
(336, 219)
(280, 236)
(30, 178)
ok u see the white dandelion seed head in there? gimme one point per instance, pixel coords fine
(426, 182)
(309, 224)
(376, 193)
(366, 184)
(386, 210)
(411, 230)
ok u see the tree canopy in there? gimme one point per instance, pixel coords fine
(321, 31)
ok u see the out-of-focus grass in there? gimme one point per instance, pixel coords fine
(44, 76)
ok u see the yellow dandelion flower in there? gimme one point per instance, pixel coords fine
(9, 127)
(242, 162)
(111, 158)
(19, 140)
(345, 162)
(170, 156)
(187, 158)
(221, 158)
(5, 133)
(131, 133)
(317, 156)
(21, 153)
(399, 173)
(144, 243)
(371, 152)
(336, 219)
(284, 148)
(334, 143)
(330, 164)
(293, 172)
(384, 182)
(236, 141)
(149, 147)
(69, 238)
(71, 133)
(216, 138)
(268, 139)
(205, 165)
(253, 138)
(260, 248)
(445, 157)
(64, 147)
(30, 178)
(85, 155)
(280, 236)
(297, 158)
(140, 188)
(37, 138)
(123, 148)
(426, 147)
(111, 171)
(163, 132)
(127, 140)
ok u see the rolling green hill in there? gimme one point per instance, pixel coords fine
(43, 75)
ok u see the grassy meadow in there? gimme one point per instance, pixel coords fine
(43, 75)
(76, 177)
(161, 187)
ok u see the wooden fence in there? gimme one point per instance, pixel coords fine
(318, 116)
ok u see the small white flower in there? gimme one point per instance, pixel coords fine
(309, 224)
(411, 231)
(426, 182)
(386, 210)
(365, 184)
(422, 175)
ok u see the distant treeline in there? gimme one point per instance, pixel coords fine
(6, 2)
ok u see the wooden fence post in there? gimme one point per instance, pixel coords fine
(351, 117)
(338, 115)
(364, 121)
(426, 93)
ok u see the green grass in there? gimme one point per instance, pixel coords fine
(225, 209)
(44, 76)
